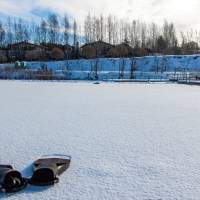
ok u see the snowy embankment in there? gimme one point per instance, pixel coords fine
(154, 67)
(127, 141)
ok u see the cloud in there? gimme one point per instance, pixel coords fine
(183, 12)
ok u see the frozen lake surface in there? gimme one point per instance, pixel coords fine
(127, 141)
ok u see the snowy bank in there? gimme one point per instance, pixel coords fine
(153, 67)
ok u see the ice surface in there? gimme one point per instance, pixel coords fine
(127, 141)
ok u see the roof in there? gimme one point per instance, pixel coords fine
(25, 43)
(124, 44)
(52, 45)
(67, 45)
(96, 43)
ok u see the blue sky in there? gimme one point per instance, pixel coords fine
(184, 13)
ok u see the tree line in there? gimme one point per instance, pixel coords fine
(54, 30)
(139, 34)
(62, 30)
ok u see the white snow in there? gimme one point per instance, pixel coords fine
(146, 64)
(108, 68)
(127, 141)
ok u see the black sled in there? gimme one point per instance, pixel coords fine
(11, 180)
(47, 169)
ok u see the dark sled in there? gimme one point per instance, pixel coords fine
(47, 169)
(11, 180)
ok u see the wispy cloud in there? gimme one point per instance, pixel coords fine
(183, 12)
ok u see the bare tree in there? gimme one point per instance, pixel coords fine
(133, 68)
(122, 64)
(101, 28)
(95, 69)
(75, 33)
(88, 28)
(35, 32)
(18, 30)
(44, 31)
(153, 36)
(155, 67)
(172, 36)
(9, 34)
(109, 28)
(143, 35)
(54, 28)
(134, 37)
(66, 29)
(2, 35)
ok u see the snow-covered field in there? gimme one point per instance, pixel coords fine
(127, 141)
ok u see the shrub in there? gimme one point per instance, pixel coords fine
(3, 59)
(88, 52)
(119, 51)
(57, 54)
(143, 52)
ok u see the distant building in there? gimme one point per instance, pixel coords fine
(23, 50)
(95, 49)
(25, 45)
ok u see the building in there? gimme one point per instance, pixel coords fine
(95, 49)
(24, 50)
